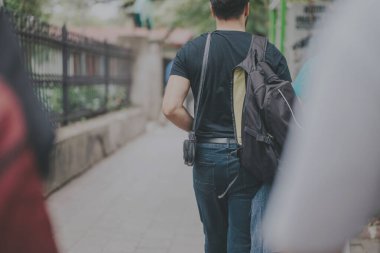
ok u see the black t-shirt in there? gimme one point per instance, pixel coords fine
(227, 50)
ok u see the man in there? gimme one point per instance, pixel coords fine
(223, 190)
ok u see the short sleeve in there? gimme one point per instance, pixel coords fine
(278, 62)
(180, 67)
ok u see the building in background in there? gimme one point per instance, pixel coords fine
(292, 24)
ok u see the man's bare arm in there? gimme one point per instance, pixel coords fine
(175, 95)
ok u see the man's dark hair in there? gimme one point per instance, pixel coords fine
(228, 9)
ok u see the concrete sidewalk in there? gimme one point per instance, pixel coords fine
(139, 200)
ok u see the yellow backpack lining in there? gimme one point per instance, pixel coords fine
(239, 91)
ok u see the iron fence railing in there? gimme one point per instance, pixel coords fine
(74, 76)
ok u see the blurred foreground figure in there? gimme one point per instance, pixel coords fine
(330, 186)
(26, 138)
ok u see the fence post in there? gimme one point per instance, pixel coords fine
(65, 62)
(283, 25)
(106, 73)
(130, 78)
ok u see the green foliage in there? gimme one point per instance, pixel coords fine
(259, 19)
(88, 98)
(52, 98)
(76, 13)
(195, 14)
(83, 98)
(30, 7)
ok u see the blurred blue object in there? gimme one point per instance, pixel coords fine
(168, 70)
(303, 78)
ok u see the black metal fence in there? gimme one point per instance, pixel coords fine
(74, 76)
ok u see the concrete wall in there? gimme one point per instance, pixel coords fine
(80, 146)
(301, 23)
(364, 246)
(147, 85)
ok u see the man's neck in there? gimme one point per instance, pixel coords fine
(230, 25)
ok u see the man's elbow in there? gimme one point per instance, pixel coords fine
(168, 111)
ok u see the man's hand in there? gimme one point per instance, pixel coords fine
(173, 109)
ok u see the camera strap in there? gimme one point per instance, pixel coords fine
(202, 81)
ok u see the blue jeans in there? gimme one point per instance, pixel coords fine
(259, 203)
(224, 193)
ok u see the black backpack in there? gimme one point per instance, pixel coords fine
(263, 109)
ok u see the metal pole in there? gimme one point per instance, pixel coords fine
(283, 25)
(273, 25)
(65, 58)
(106, 74)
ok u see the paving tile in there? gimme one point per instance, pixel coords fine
(155, 243)
(143, 250)
(125, 246)
(140, 200)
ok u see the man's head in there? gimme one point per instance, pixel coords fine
(230, 9)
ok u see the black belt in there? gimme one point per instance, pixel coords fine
(217, 140)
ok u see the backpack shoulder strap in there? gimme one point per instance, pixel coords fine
(257, 51)
(259, 45)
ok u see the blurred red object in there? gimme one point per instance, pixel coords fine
(24, 223)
